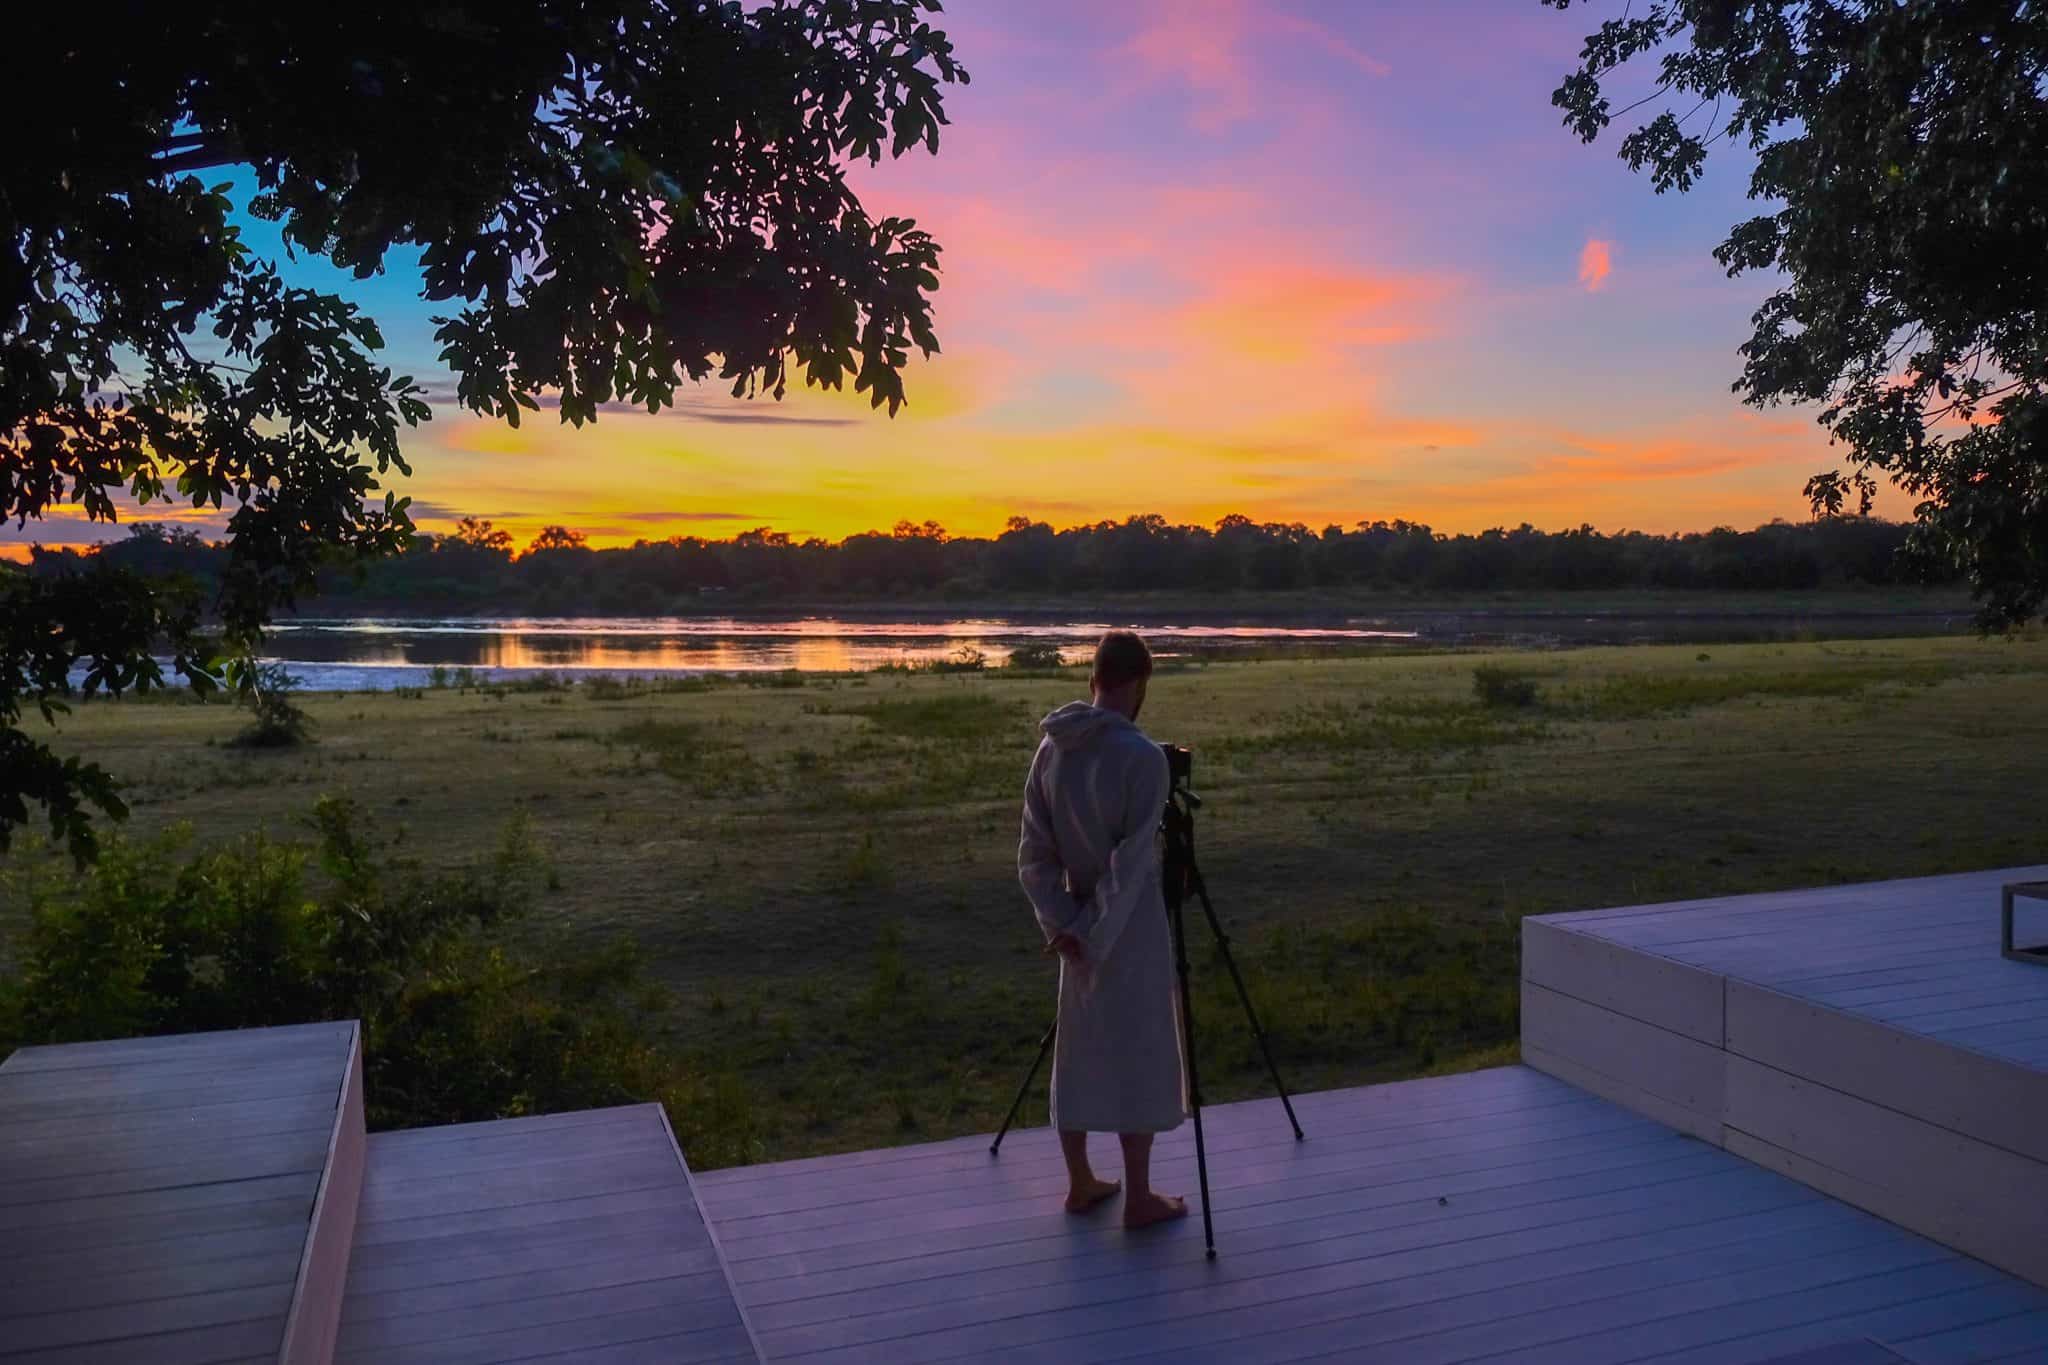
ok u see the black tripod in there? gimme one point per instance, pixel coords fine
(1179, 876)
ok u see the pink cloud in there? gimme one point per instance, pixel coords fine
(1596, 262)
(1208, 44)
(1333, 43)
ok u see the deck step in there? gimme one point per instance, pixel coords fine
(185, 1197)
(574, 1236)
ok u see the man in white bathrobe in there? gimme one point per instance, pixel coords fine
(1089, 860)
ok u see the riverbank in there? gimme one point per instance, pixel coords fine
(823, 869)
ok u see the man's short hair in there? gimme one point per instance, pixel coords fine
(1121, 658)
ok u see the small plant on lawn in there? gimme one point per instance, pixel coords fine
(279, 722)
(1504, 687)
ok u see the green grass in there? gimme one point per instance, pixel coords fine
(824, 867)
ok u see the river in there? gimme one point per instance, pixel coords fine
(343, 654)
(372, 653)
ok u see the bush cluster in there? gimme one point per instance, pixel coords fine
(459, 1023)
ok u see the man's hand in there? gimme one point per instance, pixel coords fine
(1068, 947)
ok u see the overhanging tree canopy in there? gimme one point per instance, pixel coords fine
(1903, 144)
(611, 199)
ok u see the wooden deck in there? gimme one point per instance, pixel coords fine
(1502, 1215)
(571, 1237)
(157, 1194)
(1740, 1094)
(1868, 1040)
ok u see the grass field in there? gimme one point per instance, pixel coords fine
(824, 868)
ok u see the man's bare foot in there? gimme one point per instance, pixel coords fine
(1082, 1198)
(1142, 1211)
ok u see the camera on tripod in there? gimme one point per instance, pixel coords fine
(1180, 765)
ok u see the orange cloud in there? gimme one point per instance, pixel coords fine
(1289, 314)
(1596, 261)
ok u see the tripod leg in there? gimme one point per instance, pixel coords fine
(1044, 1046)
(1244, 996)
(1187, 1033)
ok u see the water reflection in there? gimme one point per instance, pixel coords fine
(339, 654)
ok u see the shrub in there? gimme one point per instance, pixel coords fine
(1504, 687)
(279, 723)
(458, 1025)
(1036, 655)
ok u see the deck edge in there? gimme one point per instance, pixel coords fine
(314, 1323)
(711, 1231)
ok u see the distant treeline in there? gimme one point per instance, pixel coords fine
(480, 567)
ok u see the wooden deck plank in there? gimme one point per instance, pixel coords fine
(397, 1236)
(115, 1322)
(372, 1339)
(235, 1044)
(1455, 1313)
(30, 1263)
(1032, 1154)
(1125, 1270)
(1495, 1265)
(194, 1346)
(1442, 1176)
(171, 1069)
(251, 1117)
(2020, 1333)
(1266, 1202)
(1267, 1129)
(435, 1251)
(1268, 1132)
(1475, 1090)
(726, 1344)
(1576, 1332)
(410, 1138)
(487, 1262)
(1519, 1206)
(671, 1332)
(1918, 983)
(397, 1159)
(113, 1149)
(277, 1155)
(498, 1188)
(122, 1228)
(692, 1276)
(1938, 1312)
(1043, 1173)
(169, 1277)
(1816, 980)
(585, 1335)
(88, 1111)
(1712, 1309)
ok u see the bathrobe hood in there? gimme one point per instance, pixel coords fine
(1079, 724)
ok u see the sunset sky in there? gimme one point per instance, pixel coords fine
(1309, 260)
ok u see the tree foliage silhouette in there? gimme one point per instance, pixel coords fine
(610, 199)
(1901, 143)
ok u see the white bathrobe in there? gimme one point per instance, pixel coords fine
(1089, 860)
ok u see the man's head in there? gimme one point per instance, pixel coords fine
(1122, 667)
